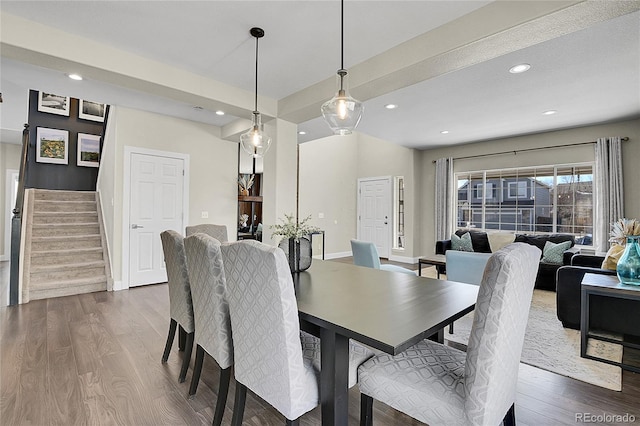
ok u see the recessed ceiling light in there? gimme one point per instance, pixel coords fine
(391, 106)
(302, 132)
(76, 77)
(550, 112)
(444, 132)
(219, 112)
(517, 69)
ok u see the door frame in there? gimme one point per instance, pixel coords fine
(126, 194)
(8, 211)
(389, 180)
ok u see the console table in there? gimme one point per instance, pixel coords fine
(606, 286)
(434, 259)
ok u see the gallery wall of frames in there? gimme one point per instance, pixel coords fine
(65, 141)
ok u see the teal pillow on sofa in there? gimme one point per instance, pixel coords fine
(553, 252)
(462, 243)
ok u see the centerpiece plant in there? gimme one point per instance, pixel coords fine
(295, 240)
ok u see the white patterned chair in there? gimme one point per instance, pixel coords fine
(211, 313)
(272, 357)
(440, 385)
(219, 232)
(180, 304)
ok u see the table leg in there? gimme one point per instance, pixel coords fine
(584, 321)
(437, 336)
(419, 268)
(334, 378)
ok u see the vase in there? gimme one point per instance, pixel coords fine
(298, 253)
(628, 268)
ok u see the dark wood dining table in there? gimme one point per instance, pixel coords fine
(389, 311)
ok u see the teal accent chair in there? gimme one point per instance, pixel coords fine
(366, 254)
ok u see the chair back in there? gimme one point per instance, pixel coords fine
(180, 303)
(365, 254)
(266, 329)
(208, 289)
(497, 334)
(465, 266)
(219, 232)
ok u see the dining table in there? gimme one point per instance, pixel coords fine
(388, 311)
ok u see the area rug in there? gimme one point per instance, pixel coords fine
(551, 347)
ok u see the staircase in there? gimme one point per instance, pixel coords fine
(64, 250)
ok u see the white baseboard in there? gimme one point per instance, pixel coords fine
(118, 285)
(404, 259)
(329, 256)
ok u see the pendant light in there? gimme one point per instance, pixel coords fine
(342, 112)
(255, 141)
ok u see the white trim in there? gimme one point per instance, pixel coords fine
(391, 219)
(8, 211)
(126, 193)
(404, 259)
(338, 255)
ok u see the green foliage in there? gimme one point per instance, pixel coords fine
(52, 149)
(290, 229)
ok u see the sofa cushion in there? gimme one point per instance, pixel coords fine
(497, 240)
(461, 243)
(554, 253)
(479, 240)
(540, 240)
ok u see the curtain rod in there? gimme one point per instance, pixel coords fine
(528, 149)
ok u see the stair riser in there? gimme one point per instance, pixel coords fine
(53, 231)
(91, 242)
(36, 293)
(65, 195)
(55, 206)
(70, 274)
(81, 218)
(58, 258)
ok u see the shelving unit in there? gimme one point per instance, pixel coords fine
(251, 204)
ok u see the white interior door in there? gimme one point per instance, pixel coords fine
(374, 213)
(155, 205)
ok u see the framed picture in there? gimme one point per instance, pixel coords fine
(88, 150)
(53, 104)
(52, 146)
(93, 111)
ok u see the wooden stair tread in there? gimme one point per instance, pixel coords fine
(65, 266)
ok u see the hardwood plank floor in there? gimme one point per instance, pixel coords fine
(94, 359)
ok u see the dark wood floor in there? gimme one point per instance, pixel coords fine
(94, 359)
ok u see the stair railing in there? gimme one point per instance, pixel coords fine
(16, 222)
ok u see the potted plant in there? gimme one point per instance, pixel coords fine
(295, 240)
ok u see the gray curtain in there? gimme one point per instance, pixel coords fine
(444, 198)
(609, 192)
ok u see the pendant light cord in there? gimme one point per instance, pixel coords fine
(256, 97)
(342, 34)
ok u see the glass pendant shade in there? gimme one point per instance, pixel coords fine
(255, 141)
(342, 112)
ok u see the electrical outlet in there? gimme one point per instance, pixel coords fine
(204, 215)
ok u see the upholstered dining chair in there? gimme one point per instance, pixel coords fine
(180, 303)
(366, 254)
(272, 357)
(211, 313)
(219, 232)
(440, 385)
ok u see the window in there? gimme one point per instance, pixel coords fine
(518, 189)
(399, 213)
(552, 199)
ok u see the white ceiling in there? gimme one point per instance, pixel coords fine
(588, 76)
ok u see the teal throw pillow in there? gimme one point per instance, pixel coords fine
(553, 252)
(462, 243)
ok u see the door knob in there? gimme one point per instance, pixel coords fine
(134, 226)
